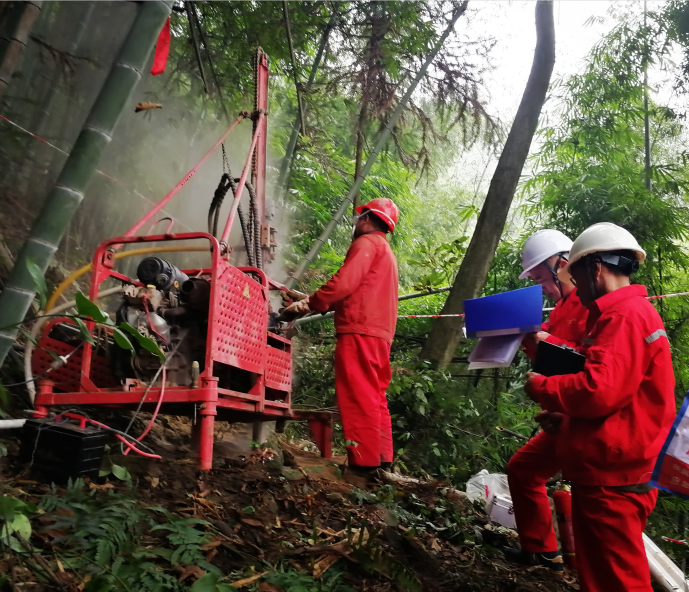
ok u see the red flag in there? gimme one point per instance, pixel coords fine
(162, 49)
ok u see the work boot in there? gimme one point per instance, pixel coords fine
(551, 560)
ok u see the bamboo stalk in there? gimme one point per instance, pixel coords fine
(195, 42)
(295, 73)
(12, 54)
(379, 145)
(288, 159)
(68, 192)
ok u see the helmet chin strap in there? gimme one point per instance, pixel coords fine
(589, 274)
(553, 270)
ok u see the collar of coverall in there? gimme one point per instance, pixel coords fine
(603, 303)
(373, 232)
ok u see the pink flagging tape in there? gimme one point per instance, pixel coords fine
(668, 295)
(545, 309)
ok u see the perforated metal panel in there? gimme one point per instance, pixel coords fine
(240, 318)
(279, 369)
(67, 377)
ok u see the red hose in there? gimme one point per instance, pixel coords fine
(126, 442)
(131, 446)
(155, 413)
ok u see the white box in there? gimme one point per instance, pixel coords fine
(502, 511)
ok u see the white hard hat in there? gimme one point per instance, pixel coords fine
(540, 246)
(604, 236)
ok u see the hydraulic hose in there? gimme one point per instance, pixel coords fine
(74, 276)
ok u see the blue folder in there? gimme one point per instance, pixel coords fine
(517, 311)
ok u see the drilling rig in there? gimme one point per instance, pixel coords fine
(226, 355)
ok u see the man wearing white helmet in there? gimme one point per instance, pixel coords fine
(533, 465)
(615, 414)
(544, 253)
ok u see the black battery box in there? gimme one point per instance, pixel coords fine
(553, 360)
(56, 453)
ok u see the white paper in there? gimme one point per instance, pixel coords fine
(495, 352)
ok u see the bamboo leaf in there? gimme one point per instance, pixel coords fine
(39, 281)
(145, 342)
(121, 339)
(87, 308)
(84, 331)
(121, 473)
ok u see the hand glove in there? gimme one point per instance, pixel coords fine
(295, 310)
(291, 295)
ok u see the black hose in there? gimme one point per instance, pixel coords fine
(227, 182)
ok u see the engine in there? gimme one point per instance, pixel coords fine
(172, 310)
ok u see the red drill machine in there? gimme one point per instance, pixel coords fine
(227, 357)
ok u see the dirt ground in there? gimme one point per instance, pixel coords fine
(285, 504)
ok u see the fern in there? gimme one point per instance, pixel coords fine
(186, 539)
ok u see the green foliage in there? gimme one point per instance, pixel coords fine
(14, 515)
(39, 281)
(185, 538)
(291, 580)
(88, 309)
(104, 540)
(146, 342)
(209, 583)
(118, 471)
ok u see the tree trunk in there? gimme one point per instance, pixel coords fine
(446, 333)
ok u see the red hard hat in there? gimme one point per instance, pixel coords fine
(384, 208)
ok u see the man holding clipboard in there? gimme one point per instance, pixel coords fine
(533, 465)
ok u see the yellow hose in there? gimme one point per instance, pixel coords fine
(74, 276)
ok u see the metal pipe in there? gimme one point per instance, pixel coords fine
(260, 127)
(11, 424)
(330, 315)
(14, 49)
(68, 192)
(380, 143)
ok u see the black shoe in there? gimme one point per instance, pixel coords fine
(360, 476)
(551, 560)
(362, 471)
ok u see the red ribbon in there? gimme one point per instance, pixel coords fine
(162, 49)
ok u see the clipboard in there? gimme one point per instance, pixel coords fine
(554, 360)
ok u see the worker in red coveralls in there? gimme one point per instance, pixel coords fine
(533, 465)
(615, 414)
(363, 294)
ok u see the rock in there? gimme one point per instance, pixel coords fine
(336, 498)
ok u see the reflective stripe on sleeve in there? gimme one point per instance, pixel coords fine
(656, 335)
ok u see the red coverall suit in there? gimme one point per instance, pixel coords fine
(535, 463)
(364, 295)
(618, 410)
